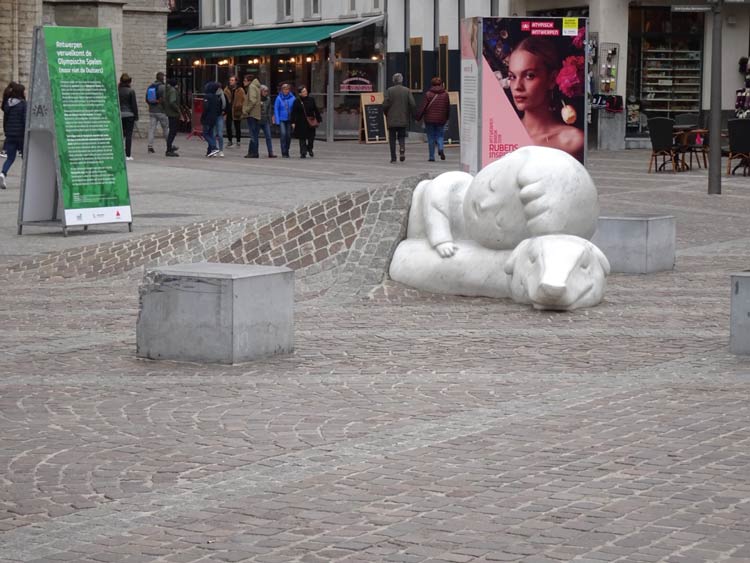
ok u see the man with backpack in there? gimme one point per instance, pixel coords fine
(155, 99)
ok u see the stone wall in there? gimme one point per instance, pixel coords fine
(17, 21)
(144, 36)
(341, 246)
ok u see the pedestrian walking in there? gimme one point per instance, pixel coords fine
(251, 111)
(6, 94)
(398, 106)
(14, 127)
(282, 114)
(305, 120)
(235, 95)
(155, 99)
(266, 117)
(211, 111)
(435, 111)
(128, 111)
(219, 127)
(172, 111)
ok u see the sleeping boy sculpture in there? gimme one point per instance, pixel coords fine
(518, 229)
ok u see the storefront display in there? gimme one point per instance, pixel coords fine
(665, 65)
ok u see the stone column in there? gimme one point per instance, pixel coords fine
(144, 52)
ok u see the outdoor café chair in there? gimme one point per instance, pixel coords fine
(660, 130)
(739, 145)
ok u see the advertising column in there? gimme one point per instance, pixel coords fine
(88, 129)
(532, 85)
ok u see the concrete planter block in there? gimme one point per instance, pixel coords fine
(638, 244)
(739, 318)
(223, 313)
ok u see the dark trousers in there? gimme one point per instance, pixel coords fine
(173, 124)
(306, 141)
(394, 132)
(237, 123)
(128, 123)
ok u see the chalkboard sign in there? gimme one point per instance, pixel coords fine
(373, 126)
(452, 133)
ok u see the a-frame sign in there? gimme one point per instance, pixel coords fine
(74, 165)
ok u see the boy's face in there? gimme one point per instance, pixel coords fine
(493, 212)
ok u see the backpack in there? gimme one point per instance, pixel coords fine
(152, 94)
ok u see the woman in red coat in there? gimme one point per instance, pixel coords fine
(435, 110)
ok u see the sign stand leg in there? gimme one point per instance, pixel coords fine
(130, 227)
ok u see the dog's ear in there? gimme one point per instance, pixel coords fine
(510, 263)
(601, 258)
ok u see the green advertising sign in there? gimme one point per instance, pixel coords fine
(88, 129)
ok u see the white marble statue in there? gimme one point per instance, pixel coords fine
(473, 235)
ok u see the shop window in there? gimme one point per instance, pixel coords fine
(665, 65)
(246, 10)
(210, 14)
(312, 9)
(285, 10)
(222, 13)
(415, 63)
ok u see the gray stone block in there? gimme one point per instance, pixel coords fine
(739, 318)
(637, 244)
(209, 312)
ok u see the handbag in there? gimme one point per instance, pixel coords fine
(311, 121)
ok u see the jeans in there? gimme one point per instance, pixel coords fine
(155, 119)
(267, 134)
(11, 148)
(237, 126)
(219, 131)
(128, 123)
(252, 125)
(434, 135)
(394, 132)
(208, 135)
(173, 125)
(286, 137)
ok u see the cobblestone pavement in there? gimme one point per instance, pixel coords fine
(405, 427)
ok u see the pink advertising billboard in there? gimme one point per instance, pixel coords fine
(527, 79)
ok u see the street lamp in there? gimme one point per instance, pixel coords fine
(714, 112)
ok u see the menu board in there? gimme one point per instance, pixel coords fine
(373, 124)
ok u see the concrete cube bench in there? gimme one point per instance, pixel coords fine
(223, 313)
(739, 318)
(637, 244)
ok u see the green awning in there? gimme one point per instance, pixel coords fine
(254, 42)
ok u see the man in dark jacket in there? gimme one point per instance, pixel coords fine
(211, 112)
(172, 111)
(435, 110)
(14, 126)
(398, 105)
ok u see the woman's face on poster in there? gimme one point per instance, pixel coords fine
(530, 81)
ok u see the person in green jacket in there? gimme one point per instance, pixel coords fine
(172, 111)
(398, 106)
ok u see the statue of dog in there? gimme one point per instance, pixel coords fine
(557, 272)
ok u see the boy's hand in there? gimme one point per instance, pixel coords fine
(446, 249)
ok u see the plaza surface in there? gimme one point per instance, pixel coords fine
(406, 426)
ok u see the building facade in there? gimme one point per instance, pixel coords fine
(139, 33)
(661, 57)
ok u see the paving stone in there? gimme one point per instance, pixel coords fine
(406, 426)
